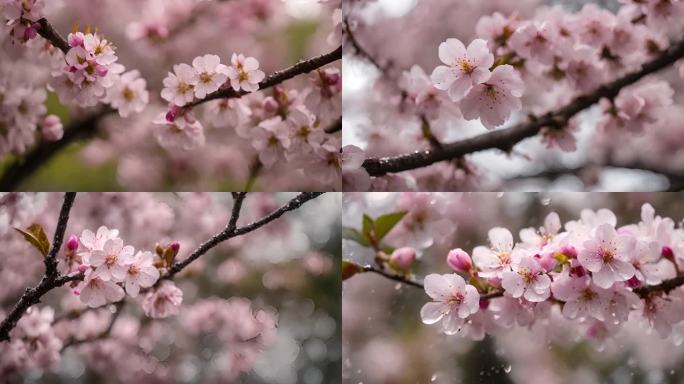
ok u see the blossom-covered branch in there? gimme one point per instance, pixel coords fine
(506, 139)
(50, 280)
(300, 68)
(27, 164)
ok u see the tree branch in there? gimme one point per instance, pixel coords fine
(104, 334)
(666, 286)
(231, 231)
(278, 77)
(24, 166)
(50, 34)
(505, 139)
(51, 278)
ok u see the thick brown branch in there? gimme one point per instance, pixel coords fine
(278, 77)
(26, 165)
(49, 281)
(505, 139)
(50, 34)
(230, 232)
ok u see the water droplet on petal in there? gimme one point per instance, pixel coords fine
(508, 368)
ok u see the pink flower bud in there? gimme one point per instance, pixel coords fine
(667, 252)
(494, 282)
(175, 246)
(403, 258)
(101, 70)
(82, 268)
(72, 243)
(52, 128)
(484, 304)
(459, 260)
(633, 282)
(332, 78)
(270, 105)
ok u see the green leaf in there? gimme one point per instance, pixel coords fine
(385, 223)
(388, 249)
(354, 235)
(368, 226)
(349, 269)
(35, 235)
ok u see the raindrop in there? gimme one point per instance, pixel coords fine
(545, 201)
(398, 286)
(499, 194)
(508, 368)
(433, 378)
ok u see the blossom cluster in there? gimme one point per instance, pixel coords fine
(594, 272)
(112, 269)
(91, 75)
(22, 17)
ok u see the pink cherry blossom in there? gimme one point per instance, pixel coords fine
(96, 292)
(244, 73)
(183, 132)
(527, 279)
(453, 301)
(403, 258)
(163, 301)
(272, 139)
(140, 272)
(605, 255)
(110, 262)
(464, 67)
(493, 260)
(535, 41)
(179, 86)
(128, 94)
(494, 100)
(211, 74)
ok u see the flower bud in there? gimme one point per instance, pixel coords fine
(667, 252)
(270, 105)
(52, 128)
(402, 258)
(175, 246)
(82, 268)
(633, 282)
(72, 243)
(75, 39)
(484, 304)
(548, 262)
(459, 260)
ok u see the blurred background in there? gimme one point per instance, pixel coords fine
(288, 269)
(385, 342)
(374, 115)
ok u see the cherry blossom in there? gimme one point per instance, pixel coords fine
(272, 139)
(212, 74)
(129, 94)
(163, 301)
(493, 260)
(527, 278)
(52, 128)
(140, 272)
(464, 67)
(179, 86)
(244, 73)
(96, 292)
(494, 100)
(605, 254)
(453, 301)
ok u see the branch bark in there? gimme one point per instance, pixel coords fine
(505, 139)
(278, 77)
(49, 33)
(51, 278)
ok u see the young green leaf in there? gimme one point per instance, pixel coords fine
(385, 223)
(354, 235)
(35, 235)
(368, 225)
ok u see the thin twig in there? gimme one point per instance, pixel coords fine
(102, 335)
(50, 34)
(278, 77)
(51, 278)
(227, 233)
(505, 139)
